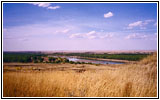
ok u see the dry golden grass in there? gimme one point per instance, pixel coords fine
(127, 80)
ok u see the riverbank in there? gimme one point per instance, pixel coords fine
(101, 59)
(113, 60)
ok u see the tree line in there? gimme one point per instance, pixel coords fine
(30, 57)
(130, 57)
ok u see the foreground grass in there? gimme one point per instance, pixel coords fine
(129, 80)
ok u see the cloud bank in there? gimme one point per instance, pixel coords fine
(46, 5)
(136, 36)
(91, 35)
(140, 24)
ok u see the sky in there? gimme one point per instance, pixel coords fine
(79, 26)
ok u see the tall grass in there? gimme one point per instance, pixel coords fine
(129, 80)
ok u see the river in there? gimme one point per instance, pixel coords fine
(92, 61)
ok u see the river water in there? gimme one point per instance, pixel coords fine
(92, 61)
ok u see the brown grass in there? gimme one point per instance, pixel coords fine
(127, 80)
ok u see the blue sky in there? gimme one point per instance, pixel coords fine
(79, 26)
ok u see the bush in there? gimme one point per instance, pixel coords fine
(18, 68)
(71, 62)
(35, 61)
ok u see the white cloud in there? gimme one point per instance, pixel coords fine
(36, 30)
(65, 31)
(148, 21)
(62, 31)
(77, 35)
(53, 7)
(91, 33)
(136, 36)
(107, 36)
(107, 15)
(92, 37)
(42, 4)
(134, 24)
(46, 5)
(140, 24)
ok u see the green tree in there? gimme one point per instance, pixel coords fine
(50, 59)
(41, 59)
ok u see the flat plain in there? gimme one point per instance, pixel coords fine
(138, 79)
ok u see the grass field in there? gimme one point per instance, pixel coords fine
(81, 80)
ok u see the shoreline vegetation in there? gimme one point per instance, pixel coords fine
(28, 57)
(137, 79)
(102, 59)
(119, 56)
